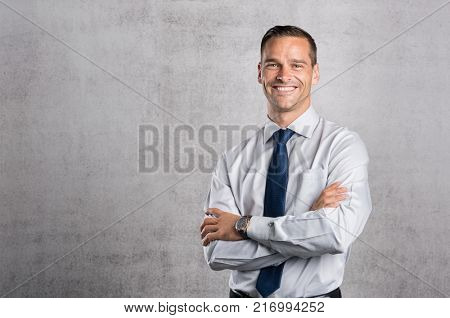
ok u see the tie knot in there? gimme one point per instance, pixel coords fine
(282, 135)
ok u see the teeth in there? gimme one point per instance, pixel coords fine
(290, 88)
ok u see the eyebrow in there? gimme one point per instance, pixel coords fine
(299, 61)
(272, 60)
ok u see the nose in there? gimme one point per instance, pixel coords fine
(284, 75)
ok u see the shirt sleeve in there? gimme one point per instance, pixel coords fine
(327, 230)
(236, 255)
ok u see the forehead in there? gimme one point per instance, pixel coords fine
(286, 47)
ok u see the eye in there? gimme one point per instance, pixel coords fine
(298, 66)
(272, 65)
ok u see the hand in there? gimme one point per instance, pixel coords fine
(330, 197)
(220, 227)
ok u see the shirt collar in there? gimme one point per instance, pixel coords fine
(304, 124)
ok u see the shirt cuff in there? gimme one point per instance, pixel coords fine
(259, 228)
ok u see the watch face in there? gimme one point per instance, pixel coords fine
(240, 224)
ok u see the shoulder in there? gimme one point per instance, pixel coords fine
(345, 145)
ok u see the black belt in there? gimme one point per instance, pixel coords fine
(336, 293)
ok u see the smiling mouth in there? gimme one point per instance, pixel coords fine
(283, 89)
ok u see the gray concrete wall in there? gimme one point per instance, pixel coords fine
(77, 79)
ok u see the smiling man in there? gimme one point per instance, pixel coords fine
(285, 205)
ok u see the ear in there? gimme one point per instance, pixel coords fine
(316, 74)
(259, 73)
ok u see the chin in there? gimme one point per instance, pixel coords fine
(284, 108)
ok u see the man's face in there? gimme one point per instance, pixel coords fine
(286, 73)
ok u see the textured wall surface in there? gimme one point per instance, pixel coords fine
(77, 79)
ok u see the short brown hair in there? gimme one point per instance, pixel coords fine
(289, 30)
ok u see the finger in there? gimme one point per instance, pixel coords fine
(330, 194)
(209, 238)
(332, 188)
(209, 229)
(341, 190)
(208, 221)
(335, 191)
(334, 199)
(341, 197)
(214, 211)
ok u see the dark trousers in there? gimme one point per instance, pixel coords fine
(332, 294)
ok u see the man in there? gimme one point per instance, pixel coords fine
(286, 204)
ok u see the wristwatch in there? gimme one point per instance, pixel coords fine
(242, 225)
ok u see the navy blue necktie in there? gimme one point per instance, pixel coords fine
(274, 205)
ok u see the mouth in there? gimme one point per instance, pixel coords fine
(283, 89)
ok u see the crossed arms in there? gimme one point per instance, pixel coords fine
(329, 227)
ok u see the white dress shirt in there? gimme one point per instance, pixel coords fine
(315, 244)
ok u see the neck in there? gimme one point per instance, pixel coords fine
(285, 118)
